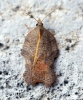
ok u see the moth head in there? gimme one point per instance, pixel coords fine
(39, 23)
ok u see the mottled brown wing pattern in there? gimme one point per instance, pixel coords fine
(30, 46)
(42, 71)
(48, 47)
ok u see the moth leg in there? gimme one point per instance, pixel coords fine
(28, 27)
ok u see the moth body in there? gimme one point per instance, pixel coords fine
(39, 50)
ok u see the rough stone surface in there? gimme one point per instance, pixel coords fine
(66, 23)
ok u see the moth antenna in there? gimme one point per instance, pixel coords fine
(32, 17)
(51, 12)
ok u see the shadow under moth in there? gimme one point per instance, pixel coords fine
(39, 50)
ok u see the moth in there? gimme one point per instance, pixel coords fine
(39, 51)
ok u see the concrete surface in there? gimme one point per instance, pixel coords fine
(66, 23)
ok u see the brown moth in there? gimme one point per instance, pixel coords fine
(39, 50)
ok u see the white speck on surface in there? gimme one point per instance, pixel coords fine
(67, 26)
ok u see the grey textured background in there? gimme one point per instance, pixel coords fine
(66, 24)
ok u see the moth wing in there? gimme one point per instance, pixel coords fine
(30, 45)
(48, 46)
(53, 43)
